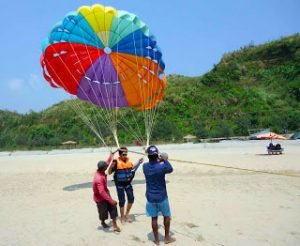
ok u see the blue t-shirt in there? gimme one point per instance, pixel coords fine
(155, 171)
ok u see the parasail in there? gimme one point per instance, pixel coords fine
(108, 58)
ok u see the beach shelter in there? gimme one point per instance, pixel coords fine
(296, 135)
(69, 143)
(189, 138)
(271, 135)
(254, 136)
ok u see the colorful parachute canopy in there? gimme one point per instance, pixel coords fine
(105, 56)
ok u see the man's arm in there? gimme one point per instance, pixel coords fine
(111, 156)
(168, 167)
(112, 167)
(136, 166)
(102, 191)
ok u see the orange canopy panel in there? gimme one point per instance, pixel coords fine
(271, 135)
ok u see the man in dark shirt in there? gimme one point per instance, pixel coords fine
(156, 192)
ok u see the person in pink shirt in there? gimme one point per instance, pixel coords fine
(105, 203)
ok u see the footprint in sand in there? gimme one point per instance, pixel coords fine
(190, 225)
(200, 238)
(137, 239)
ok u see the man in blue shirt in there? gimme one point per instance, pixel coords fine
(156, 191)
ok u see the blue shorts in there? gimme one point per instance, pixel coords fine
(153, 209)
(121, 190)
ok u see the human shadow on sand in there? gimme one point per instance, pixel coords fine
(88, 185)
(161, 237)
(109, 229)
(266, 154)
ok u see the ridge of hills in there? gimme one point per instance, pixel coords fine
(254, 87)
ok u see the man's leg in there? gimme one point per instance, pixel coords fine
(165, 209)
(130, 199)
(104, 225)
(116, 228)
(155, 230)
(113, 212)
(167, 222)
(121, 198)
(103, 213)
(128, 219)
(122, 215)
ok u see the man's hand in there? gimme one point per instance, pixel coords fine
(113, 164)
(114, 203)
(113, 152)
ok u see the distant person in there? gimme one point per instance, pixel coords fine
(271, 146)
(124, 172)
(277, 147)
(156, 191)
(105, 203)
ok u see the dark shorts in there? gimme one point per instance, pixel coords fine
(121, 190)
(104, 207)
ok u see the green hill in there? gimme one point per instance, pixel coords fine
(254, 87)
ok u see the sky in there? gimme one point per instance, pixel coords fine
(192, 34)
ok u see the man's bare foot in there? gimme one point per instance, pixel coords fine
(104, 225)
(169, 240)
(156, 242)
(123, 220)
(116, 229)
(128, 219)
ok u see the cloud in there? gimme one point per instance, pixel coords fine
(34, 81)
(16, 84)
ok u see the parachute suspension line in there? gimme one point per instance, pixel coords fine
(154, 110)
(77, 108)
(153, 118)
(136, 130)
(148, 122)
(109, 113)
(107, 118)
(116, 137)
(133, 131)
(84, 117)
(141, 80)
(116, 89)
(149, 115)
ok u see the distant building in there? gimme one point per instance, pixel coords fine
(189, 138)
(69, 143)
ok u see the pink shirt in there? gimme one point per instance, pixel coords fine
(100, 189)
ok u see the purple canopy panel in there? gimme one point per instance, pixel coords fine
(101, 85)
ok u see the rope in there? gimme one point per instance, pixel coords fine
(228, 167)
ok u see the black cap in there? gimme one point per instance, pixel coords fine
(152, 150)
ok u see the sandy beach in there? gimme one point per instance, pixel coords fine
(46, 197)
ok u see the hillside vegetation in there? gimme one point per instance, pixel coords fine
(253, 88)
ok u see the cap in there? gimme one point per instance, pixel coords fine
(152, 150)
(102, 164)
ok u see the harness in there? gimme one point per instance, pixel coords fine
(124, 171)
